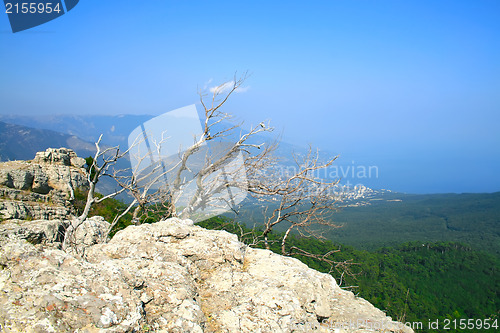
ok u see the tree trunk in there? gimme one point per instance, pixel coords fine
(76, 222)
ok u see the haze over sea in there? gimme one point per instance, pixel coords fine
(409, 87)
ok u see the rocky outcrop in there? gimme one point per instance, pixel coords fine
(43, 232)
(169, 276)
(41, 188)
(60, 156)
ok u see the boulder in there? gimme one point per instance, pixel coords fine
(92, 231)
(60, 156)
(172, 276)
(47, 232)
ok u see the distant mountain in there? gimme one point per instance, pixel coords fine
(115, 129)
(21, 142)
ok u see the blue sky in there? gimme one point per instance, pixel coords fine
(412, 87)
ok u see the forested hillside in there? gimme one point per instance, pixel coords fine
(471, 218)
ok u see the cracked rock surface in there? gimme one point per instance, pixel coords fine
(41, 188)
(172, 276)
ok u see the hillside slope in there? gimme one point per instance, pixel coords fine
(471, 218)
(22, 143)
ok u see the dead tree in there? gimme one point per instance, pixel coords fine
(100, 166)
(141, 186)
(164, 185)
(205, 177)
(209, 175)
(296, 197)
(219, 174)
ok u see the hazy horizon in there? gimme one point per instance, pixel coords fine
(410, 87)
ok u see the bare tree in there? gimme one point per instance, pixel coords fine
(304, 200)
(201, 173)
(296, 197)
(204, 178)
(101, 163)
(145, 185)
(209, 179)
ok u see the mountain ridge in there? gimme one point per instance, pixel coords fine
(22, 143)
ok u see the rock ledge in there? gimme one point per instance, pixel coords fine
(172, 276)
(41, 188)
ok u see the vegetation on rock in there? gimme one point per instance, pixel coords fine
(413, 282)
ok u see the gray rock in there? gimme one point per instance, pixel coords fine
(21, 178)
(6, 179)
(32, 210)
(61, 156)
(47, 232)
(171, 276)
(92, 231)
(40, 182)
(40, 189)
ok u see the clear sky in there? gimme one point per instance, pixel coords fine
(412, 87)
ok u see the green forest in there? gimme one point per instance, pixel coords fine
(471, 218)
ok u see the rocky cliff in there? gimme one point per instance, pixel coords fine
(169, 276)
(41, 188)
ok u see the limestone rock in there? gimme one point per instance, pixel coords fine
(91, 231)
(29, 210)
(61, 156)
(27, 187)
(172, 276)
(47, 232)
